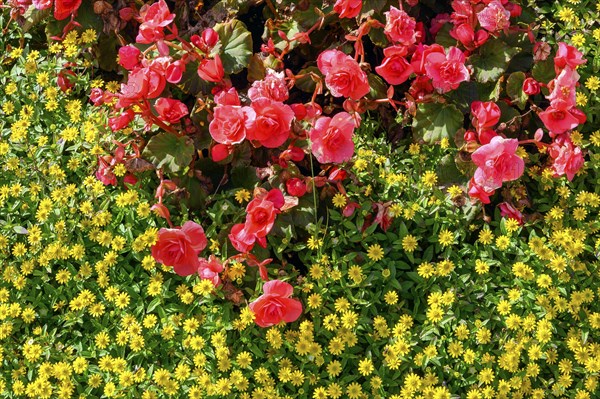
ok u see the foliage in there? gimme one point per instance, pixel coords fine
(446, 258)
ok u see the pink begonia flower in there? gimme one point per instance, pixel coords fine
(509, 211)
(394, 68)
(558, 121)
(563, 87)
(480, 192)
(272, 123)
(485, 114)
(261, 213)
(400, 27)
(567, 158)
(494, 17)
(447, 70)
(347, 8)
(275, 304)
(273, 87)
(230, 123)
(65, 8)
(567, 55)
(343, 75)
(211, 70)
(332, 138)
(209, 269)
(497, 163)
(465, 34)
(154, 19)
(531, 87)
(170, 110)
(180, 247)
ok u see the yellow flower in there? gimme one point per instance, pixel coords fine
(375, 252)
(365, 367)
(409, 243)
(429, 178)
(485, 236)
(339, 200)
(445, 238)
(242, 195)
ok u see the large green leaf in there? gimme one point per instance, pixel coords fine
(492, 60)
(170, 152)
(236, 45)
(514, 89)
(436, 121)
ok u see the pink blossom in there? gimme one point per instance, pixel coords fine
(563, 88)
(343, 75)
(170, 110)
(347, 8)
(497, 163)
(567, 158)
(447, 70)
(394, 68)
(272, 122)
(211, 70)
(332, 138)
(482, 193)
(230, 123)
(567, 55)
(275, 304)
(209, 269)
(154, 19)
(494, 17)
(273, 87)
(558, 121)
(509, 211)
(485, 114)
(400, 27)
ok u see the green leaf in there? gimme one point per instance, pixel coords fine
(167, 151)
(492, 60)
(236, 45)
(543, 71)
(514, 89)
(436, 121)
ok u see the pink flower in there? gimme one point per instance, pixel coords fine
(42, 4)
(567, 55)
(497, 163)
(447, 70)
(531, 87)
(65, 8)
(129, 57)
(480, 192)
(180, 247)
(209, 269)
(509, 211)
(230, 123)
(567, 158)
(211, 70)
(400, 27)
(558, 121)
(170, 110)
(275, 304)
(347, 8)
(343, 75)
(494, 17)
(332, 138)
(296, 187)
(563, 87)
(273, 87)
(272, 123)
(485, 114)
(104, 173)
(465, 34)
(241, 240)
(394, 68)
(154, 19)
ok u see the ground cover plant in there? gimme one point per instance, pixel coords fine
(299, 199)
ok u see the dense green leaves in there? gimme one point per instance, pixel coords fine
(236, 45)
(435, 121)
(492, 60)
(170, 152)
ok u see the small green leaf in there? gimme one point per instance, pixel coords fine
(166, 150)
(236, 45)
(492, 60)
(436, 121)
(514, 89)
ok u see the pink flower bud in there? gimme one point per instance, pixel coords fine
(296, 187)
(210, 37)
(531, 87)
